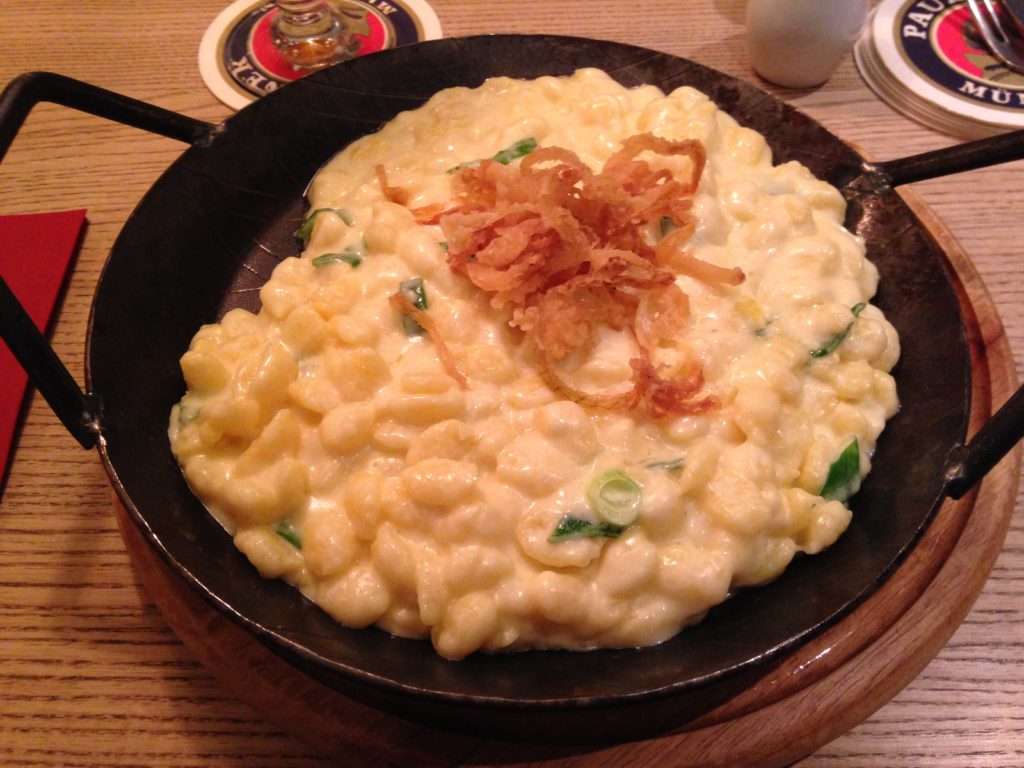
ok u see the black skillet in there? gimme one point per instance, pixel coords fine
(212, 228)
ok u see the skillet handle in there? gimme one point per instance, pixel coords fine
(967, 464)
(944, 162)
(25, 91)
(79, 411)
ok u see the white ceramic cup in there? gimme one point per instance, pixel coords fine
(799, 43)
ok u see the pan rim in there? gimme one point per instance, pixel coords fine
(297, 651)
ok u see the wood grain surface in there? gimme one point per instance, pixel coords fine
(89, 672)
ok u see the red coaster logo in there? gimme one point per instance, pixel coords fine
(958, 41)
(250, 58)
(365, 32)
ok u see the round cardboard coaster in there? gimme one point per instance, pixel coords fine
(927, 59)
(239, 62)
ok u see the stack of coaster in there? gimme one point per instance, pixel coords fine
(927, 59)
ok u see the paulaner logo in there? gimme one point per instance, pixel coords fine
(939, 38)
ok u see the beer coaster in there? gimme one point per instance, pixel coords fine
(239, 62)
(927, 59)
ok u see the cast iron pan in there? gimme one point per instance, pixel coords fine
(212, 228)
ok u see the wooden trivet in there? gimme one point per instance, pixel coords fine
(820, 691)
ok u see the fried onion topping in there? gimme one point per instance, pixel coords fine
(405, 307)
(567, 250)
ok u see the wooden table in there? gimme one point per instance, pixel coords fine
(89, 672)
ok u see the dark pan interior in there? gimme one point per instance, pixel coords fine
(212, 228)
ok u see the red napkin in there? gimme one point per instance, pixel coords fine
(35, 251)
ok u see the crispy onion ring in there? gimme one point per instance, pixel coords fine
(620, 401)
(669, 251)
(401, 302)
(393, 194)
(634, 145)
(658, 396)
(567, 250)
(660, 315)
(427, 214)
(669, 397)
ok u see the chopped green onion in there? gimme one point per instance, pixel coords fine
(416, 292)
(287, 531)
(665, 225)
(411, 327)
(671, 465)
(350, 256)
(614, 497)
(521, 148)
(844, 475)
(570, 527)
(305, 229)
(187, 413)
(833, 344)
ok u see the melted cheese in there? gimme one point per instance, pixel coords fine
(427, 509)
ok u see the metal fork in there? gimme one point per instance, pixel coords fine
(987, 15)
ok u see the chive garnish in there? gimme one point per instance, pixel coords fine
(665, 225)
(844, 475)
(287, 531)
(615, 497)
(416, 292)
(833, 344)
(521, 148)
(570, 527)
(187, 413)
(350, 256)
(306, 227)
(670, 465)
